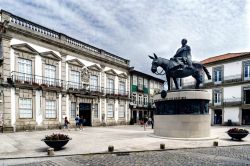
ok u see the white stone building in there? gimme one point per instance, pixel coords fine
(47, 76)
(229, 87)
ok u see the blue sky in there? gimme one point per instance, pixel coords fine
(134, 29)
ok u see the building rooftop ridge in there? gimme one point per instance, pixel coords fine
(148, 75)
(55, 34)
(225, 56)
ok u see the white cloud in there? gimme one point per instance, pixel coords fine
(133, 29)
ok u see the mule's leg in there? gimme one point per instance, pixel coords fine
(168, 80)
(197, 77)
(176, 83)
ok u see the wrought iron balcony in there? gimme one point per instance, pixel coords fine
(75, 87)
(116, 93)
(232, 102)
(34, 81)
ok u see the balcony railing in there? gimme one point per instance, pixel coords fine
(35, 80)
(232, 102)
(116, 92)
(30, 80)
(143, 104)
(76, 87)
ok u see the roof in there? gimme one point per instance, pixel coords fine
(55, 34)
(224, 57)
(146, 75)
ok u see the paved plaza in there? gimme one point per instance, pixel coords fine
(124, 139)
(233, 155)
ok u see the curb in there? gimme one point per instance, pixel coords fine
(120, 153)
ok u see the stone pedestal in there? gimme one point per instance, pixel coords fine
(182, 114)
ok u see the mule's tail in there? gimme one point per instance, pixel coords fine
(207, 72)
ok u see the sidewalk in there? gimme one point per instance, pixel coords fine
(97, 140)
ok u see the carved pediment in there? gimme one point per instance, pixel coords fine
(94, 67)
(50, 55)
(123, 75)
(111, 72)
(25, 48)
(75, 62)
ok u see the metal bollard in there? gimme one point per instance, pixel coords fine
(215, 143)
(110, 148)
(51, 152)
(162, 146)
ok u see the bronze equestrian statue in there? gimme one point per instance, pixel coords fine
(180, 66)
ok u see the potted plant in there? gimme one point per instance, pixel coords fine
(237, 133)
(56, 141)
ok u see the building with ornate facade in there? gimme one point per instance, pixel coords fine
(46, 76)
(229, 87)
(143, 88)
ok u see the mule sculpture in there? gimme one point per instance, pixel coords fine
(174, 70)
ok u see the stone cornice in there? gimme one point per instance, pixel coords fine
(18, 25)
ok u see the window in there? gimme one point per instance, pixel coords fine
(122, 88)
(73, 110)
(145, 83)
(121, 112)
(140, 99)
(134, 98)
(140, 83)
(50, 109)
(94, 83)
(75, 79)
(25, 69)
(25, 108)
(152, 84)
(50, 74)
(110, 86)
(134, 80)
(155, 85)
(145, 100)
(246, 70)
(217, 97)
(95, 111)
(217, 75)
(110, 113)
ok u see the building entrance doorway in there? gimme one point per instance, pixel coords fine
(245, 116)
(85, 112)
(135, 116)
(217, 116)
(247, 96)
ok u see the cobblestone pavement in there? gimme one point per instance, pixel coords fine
(234, 155)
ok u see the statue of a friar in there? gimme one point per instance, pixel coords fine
(183, 55)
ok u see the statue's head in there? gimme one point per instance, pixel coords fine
(184, 42)
(155, 63)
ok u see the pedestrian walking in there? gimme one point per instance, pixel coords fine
(81, 123)
(77, 121)
(149, 121)
(66, 123)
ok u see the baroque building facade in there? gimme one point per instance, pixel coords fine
(46, 76)
(229, 88)
(143, 88)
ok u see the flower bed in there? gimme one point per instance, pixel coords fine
(56, 141)
(236, 133)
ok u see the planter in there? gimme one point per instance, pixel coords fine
(237, 136)
(56, 144)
